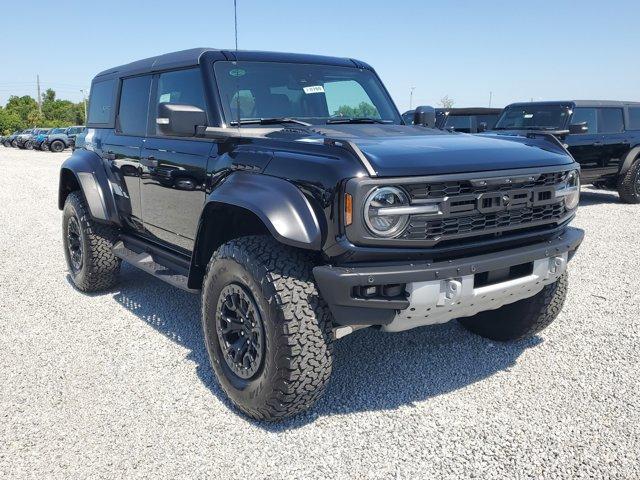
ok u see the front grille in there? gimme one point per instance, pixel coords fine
(422, 227)
(451, 189)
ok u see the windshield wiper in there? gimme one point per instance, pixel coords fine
(357, 120)
(270, 121)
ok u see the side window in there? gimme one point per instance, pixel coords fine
(610, 120)
(634, 118)
(182, 87)
(589, 115)
(134, 106)
(101, 102)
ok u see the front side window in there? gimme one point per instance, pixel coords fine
(588, 116)
(101, 102)
(311, 93)
(134, 106)
(533, 117)
(610, 120)
(634, 118)
(182, 87)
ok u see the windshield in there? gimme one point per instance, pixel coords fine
(459, 123)
(533, 117)
(311, 93)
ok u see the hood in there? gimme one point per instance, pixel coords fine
(399, 150)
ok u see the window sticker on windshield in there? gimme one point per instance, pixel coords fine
(164, 98)
(237, 72)
(528, 115)
(313, 89)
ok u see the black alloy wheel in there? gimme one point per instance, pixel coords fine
(240, 331)
(74, 243)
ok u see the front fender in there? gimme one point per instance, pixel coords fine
(84, 170)
(281, 206)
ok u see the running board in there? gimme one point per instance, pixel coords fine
(147, 262)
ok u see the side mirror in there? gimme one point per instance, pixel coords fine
(482, 127)
(425, 115)
(179, 120)
(577, 128)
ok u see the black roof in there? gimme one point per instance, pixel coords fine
(579, 103)
(469, 111)
(194, 56)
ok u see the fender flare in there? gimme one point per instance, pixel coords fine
(629, 159)
(281, 206)
(87, 169)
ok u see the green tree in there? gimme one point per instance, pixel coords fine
(26, 108)
(364, 109)
(9, 122)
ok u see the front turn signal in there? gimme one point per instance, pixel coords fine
(348, 209)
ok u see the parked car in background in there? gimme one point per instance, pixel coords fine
(467, 120)
(31, 142)
(298, 224)
(10, 141)
(22, 138)
(603, 137)
(58, 141)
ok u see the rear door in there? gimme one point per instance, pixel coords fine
(173, 169)
(614, 137)
(122, 148)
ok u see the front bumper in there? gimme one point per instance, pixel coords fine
(429, 285)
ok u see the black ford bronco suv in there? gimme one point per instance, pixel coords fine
(287, 190)
(603, 137)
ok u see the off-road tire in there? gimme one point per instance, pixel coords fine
(57, 146)
(629, 184)
(43, 147)
(14, 144)
(100, 267)
(523, 319)
(28, 145)
(298, 357)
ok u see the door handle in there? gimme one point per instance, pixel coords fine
(149, 162)
(597, 144)
(110, 156)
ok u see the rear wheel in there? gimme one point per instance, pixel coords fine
(629, 184)
(88, 247)
(267, 331)
(28, 145)
(57, 146)
(523, 319)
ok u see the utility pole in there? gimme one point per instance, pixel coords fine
(411, 89)
(490, 98)
(39, 97)
(84, 100)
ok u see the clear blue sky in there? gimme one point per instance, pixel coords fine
(464, 49)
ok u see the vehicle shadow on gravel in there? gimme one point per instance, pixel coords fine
(373, 370)
(597, 197)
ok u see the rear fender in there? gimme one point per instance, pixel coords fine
(629, 159)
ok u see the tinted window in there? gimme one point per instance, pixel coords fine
(589, 115)
(101, 102)
(459, 123)
(310, 92)
(533, 117)
(634, 118)
(134, 106)
(610, 120)
(182, 87)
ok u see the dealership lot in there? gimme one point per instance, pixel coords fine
(119, 383)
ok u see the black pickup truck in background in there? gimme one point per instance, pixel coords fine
(603, 137)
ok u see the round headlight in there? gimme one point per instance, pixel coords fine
(378, 211)
(572, 198)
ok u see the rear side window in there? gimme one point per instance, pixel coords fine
(182, 87)
(134, 105)
(101, 103)
(610, 120)
(634, 118)
(588, 115)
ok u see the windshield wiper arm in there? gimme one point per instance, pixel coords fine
(356, 120)
(270, 121)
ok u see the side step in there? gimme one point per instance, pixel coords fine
(150, 263)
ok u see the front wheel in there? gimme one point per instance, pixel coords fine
(629, 184)
(28, 145)
(57, 146)
(88, 247)
(267, 330)
(523, 319)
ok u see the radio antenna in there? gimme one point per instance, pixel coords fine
(235, 22)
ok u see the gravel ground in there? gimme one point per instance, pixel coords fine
(119, 385)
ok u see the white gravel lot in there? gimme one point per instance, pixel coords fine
(118, 384)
